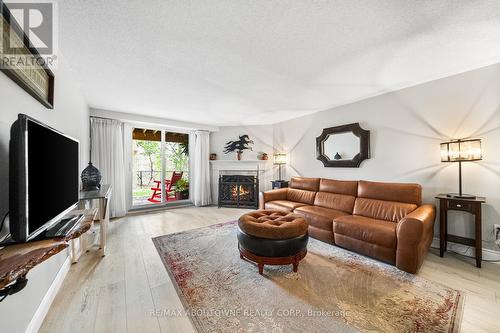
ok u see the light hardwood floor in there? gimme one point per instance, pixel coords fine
(120, 292)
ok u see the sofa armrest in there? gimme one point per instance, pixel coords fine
(412, 227)
(414, 236)
(279, 194)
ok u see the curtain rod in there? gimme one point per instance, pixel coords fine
(101, 117)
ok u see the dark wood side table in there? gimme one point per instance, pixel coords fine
(472, 206)
(279, 184)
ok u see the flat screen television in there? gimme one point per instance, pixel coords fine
(44, 177)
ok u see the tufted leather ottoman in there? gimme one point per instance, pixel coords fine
(270, 237)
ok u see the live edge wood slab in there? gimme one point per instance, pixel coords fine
(17, 260)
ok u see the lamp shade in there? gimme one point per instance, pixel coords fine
(461, 150)
(279, 158)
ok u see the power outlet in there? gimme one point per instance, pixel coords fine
(496, 228)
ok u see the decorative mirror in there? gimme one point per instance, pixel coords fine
(343, 146)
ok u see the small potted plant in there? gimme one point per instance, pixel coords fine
(182, 189)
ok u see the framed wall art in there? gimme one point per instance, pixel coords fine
(23, 63)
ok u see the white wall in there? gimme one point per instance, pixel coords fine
(70, 115)
(261, 135)
(406, 129)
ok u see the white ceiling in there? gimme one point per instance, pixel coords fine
(230, 62)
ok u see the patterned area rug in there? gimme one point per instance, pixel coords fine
(334, 290)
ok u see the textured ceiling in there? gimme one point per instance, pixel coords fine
(230, 62)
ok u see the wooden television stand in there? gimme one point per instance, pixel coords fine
(17, 260)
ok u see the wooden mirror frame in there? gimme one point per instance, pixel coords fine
(355, 162)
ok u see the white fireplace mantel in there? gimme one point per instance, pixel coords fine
(240, 165)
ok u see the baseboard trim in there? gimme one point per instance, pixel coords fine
(469, 251)
(156, 209)
(43, 308)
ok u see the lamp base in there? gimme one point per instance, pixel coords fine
(461, 196)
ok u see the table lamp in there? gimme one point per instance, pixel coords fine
(279, 160)
(461, 150)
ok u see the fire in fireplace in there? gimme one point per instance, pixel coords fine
(241, 192)
(238, 191)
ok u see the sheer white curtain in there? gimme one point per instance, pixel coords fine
(107, 156)
(201, 177)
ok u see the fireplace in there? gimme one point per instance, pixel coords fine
(240, 191)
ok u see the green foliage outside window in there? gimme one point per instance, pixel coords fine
(176, 153)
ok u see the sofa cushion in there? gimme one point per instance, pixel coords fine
(303, 196)
(366, 229)
(400, 192)
(337, 194)
(303, 183)
(382, 210)
(319, 217)
(347, 187)
(335, 201)
(283, 205)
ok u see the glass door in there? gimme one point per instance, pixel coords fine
(176, 156)
(146, 167)
(160, 167)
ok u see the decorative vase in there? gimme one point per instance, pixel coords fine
(91, 178)
(264, 157)
(238, 155)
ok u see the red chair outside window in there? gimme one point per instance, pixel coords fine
(169, 183)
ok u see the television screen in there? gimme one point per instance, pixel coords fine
(45, 164)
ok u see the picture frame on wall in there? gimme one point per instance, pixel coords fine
(23, 63)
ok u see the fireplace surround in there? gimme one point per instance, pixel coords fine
(240, 191)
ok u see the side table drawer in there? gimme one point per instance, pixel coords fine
(460, 205)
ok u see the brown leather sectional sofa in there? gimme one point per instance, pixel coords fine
(386, 221)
